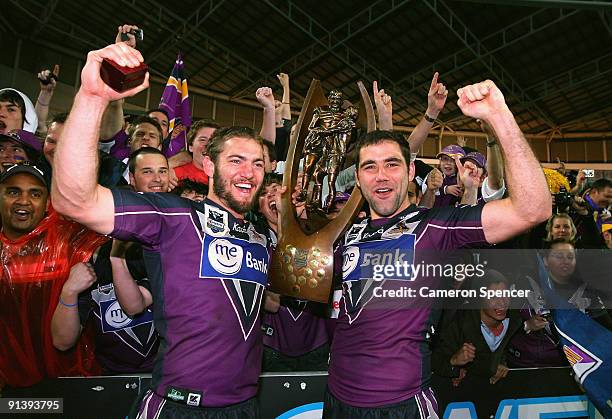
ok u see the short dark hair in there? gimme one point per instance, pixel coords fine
(145, 120)
(217, 142)
(560, 240)
(270, 178)
(159, 110)
(59, 118)
(380, 136)
(491, 276)
(198, 125)
(601, 184)
(11, 96)
(190, 185)
(271, 149)
(142, 151)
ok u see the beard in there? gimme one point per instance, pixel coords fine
(221, 188)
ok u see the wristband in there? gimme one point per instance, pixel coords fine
(67, 305)
(285, 103)
(429, 118)
(444, 189)
(42, 104)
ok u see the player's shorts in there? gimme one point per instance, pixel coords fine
(421, 406)
(154, 406)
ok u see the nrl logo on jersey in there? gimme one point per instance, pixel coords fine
(214, 221)
(354, 234)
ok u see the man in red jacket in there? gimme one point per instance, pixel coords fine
(38, 249)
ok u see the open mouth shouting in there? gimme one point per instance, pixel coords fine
(383, 193)
(22, 214)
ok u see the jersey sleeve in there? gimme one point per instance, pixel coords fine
(144, 217)
(455, 227)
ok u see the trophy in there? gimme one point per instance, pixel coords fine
(302, 265)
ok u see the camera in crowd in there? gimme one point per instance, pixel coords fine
(562, 201)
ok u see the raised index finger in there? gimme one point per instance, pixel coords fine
(434, 81)
(375, 87)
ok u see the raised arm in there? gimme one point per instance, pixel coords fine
(529, 202)
(469, 176)
(132, 298)
(436, 98)
(268, 128)
(495, 162)
(384, 108)
(285, 107)
(65, 324)
(75, 192)
(45, 96)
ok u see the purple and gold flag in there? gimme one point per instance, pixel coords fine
(175, 101)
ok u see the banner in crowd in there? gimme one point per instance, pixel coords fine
(586, 345)
(175, 101)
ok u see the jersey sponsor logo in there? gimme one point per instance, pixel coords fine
(225, 257)
(234, 258)
(361, 260)
(114, 318)
(350, 259)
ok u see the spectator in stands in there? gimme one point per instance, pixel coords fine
(475, 342)
(295, 335)
(270, 160)
(599, 198)
(54, 130)
(450, 192)
(198, 137)
(471, 170)
(123, 344)
(538, 344)
(18, 146)
(16, 112)
(39, 248)
(560, 226)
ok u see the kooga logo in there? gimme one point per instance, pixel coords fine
(225, 257)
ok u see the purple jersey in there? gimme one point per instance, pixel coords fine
(121, 148)
(123, 344)
(295, 329)
(447, 200)
(208, 271)
(380, 354)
